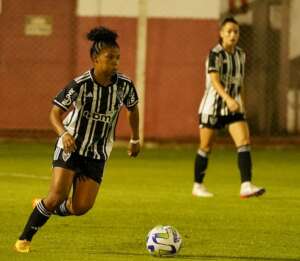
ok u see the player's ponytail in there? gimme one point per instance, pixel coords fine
(102, 37)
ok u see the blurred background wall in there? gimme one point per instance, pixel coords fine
(43, 46)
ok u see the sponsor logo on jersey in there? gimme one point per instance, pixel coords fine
(68, 99)
(231, 80)
(97, 116)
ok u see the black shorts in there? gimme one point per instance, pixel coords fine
(219, 122)
(83, 166)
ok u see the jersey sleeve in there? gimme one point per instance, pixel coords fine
(131, 97)
(213, 62)
(67, 96)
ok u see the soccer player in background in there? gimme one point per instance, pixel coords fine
(86, 135)
(222, 105)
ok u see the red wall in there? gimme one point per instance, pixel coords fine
(34, 68)
(176, 51)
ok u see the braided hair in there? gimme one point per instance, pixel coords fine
(102, 37)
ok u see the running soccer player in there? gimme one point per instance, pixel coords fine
(222, 105)
(86, 135)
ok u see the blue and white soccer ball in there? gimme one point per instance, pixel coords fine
(163, 241)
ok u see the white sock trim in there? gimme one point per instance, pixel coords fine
(243, 148)
(43, 210)
(202, 153)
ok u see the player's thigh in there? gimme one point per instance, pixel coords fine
(61, 183)
(239, 132)
(84, 194)
(207, 137)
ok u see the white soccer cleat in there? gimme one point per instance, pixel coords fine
(199, 190)
(249, 190)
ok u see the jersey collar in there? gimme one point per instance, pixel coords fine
(114, 78)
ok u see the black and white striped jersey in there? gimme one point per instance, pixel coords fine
(93, 118)
(231, 68)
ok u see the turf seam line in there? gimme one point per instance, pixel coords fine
(23, 175)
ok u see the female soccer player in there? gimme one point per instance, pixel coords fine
(93, 101)
(222, 105)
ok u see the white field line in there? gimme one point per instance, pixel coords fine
(23, 175)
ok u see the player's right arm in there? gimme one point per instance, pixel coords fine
(232, 104)
(61, 104)
(56, 119)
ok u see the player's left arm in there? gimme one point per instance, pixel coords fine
(133, 119)
(243, 61)
(243, 96)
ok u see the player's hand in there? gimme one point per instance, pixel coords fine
(232, 104)
(133, 149)
(68, 143)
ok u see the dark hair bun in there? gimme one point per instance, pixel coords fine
(102, 34)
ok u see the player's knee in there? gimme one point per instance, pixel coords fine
(205, 148)
(243, 142)
(53, 201)
(80, 209)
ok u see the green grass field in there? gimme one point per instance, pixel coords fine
(155, 188)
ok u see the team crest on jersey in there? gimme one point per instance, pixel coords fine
(66, 156)
(120, 94)
(89, 95)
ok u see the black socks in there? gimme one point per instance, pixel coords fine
(245, 163)
(37, 219)
(201, 162)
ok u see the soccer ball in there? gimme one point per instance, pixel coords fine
(163, 241)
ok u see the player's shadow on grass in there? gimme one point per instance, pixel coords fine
(209, 257)
(246, 258)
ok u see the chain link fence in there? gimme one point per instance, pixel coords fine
(272, 77)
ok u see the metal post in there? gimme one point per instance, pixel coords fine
(284, 74)
(141, 61)
(260, 30)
